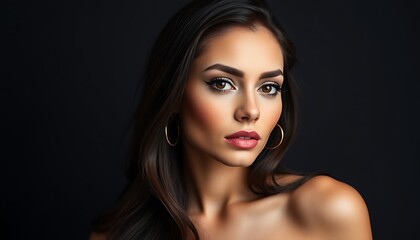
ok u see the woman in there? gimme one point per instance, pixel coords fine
(216, 116)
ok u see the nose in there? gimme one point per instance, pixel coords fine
(247, 109)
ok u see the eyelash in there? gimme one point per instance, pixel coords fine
(274, 85)
(216, 80)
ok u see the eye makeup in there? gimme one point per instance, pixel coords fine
(270, 88)
(221, 84)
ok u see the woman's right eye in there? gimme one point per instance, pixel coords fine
(221, 84)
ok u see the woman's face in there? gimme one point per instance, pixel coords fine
(232, 98)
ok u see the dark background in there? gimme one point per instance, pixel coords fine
(68, 89)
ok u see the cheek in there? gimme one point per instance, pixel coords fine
(271, 115)
(201, 113)
(274, 114)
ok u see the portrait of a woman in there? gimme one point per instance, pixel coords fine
(216, 116)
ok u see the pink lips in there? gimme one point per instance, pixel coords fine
(243, 139)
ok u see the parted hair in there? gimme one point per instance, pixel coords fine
(153, 204)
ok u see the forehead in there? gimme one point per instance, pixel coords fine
(243, 48)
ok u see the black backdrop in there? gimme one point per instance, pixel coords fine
(68, 89)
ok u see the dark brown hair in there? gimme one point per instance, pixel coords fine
(153, 204)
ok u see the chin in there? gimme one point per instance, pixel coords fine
(236, 161)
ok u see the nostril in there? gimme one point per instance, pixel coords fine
(247, 112)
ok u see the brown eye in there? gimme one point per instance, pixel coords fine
(221, 84)
(266, 88)
(270, 88)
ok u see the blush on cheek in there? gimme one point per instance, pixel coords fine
(272, 115)
(203, 113)
(275, 116)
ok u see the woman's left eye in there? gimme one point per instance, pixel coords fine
(270, 88)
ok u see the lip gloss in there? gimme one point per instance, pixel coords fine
(243, 139)
(242, 142)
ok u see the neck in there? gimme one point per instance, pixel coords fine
(212, 186)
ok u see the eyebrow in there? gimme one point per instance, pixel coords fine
(240, 73)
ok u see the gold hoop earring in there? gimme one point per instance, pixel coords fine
(167, 138)
(281, 140)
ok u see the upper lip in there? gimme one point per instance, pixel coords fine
(245, 134)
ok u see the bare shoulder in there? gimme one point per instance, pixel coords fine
(98, 236)
(332, 208)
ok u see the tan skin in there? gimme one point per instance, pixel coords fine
(218, 102)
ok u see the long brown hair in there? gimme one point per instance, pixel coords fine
(153, 204)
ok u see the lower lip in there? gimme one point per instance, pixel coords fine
(242, 143)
